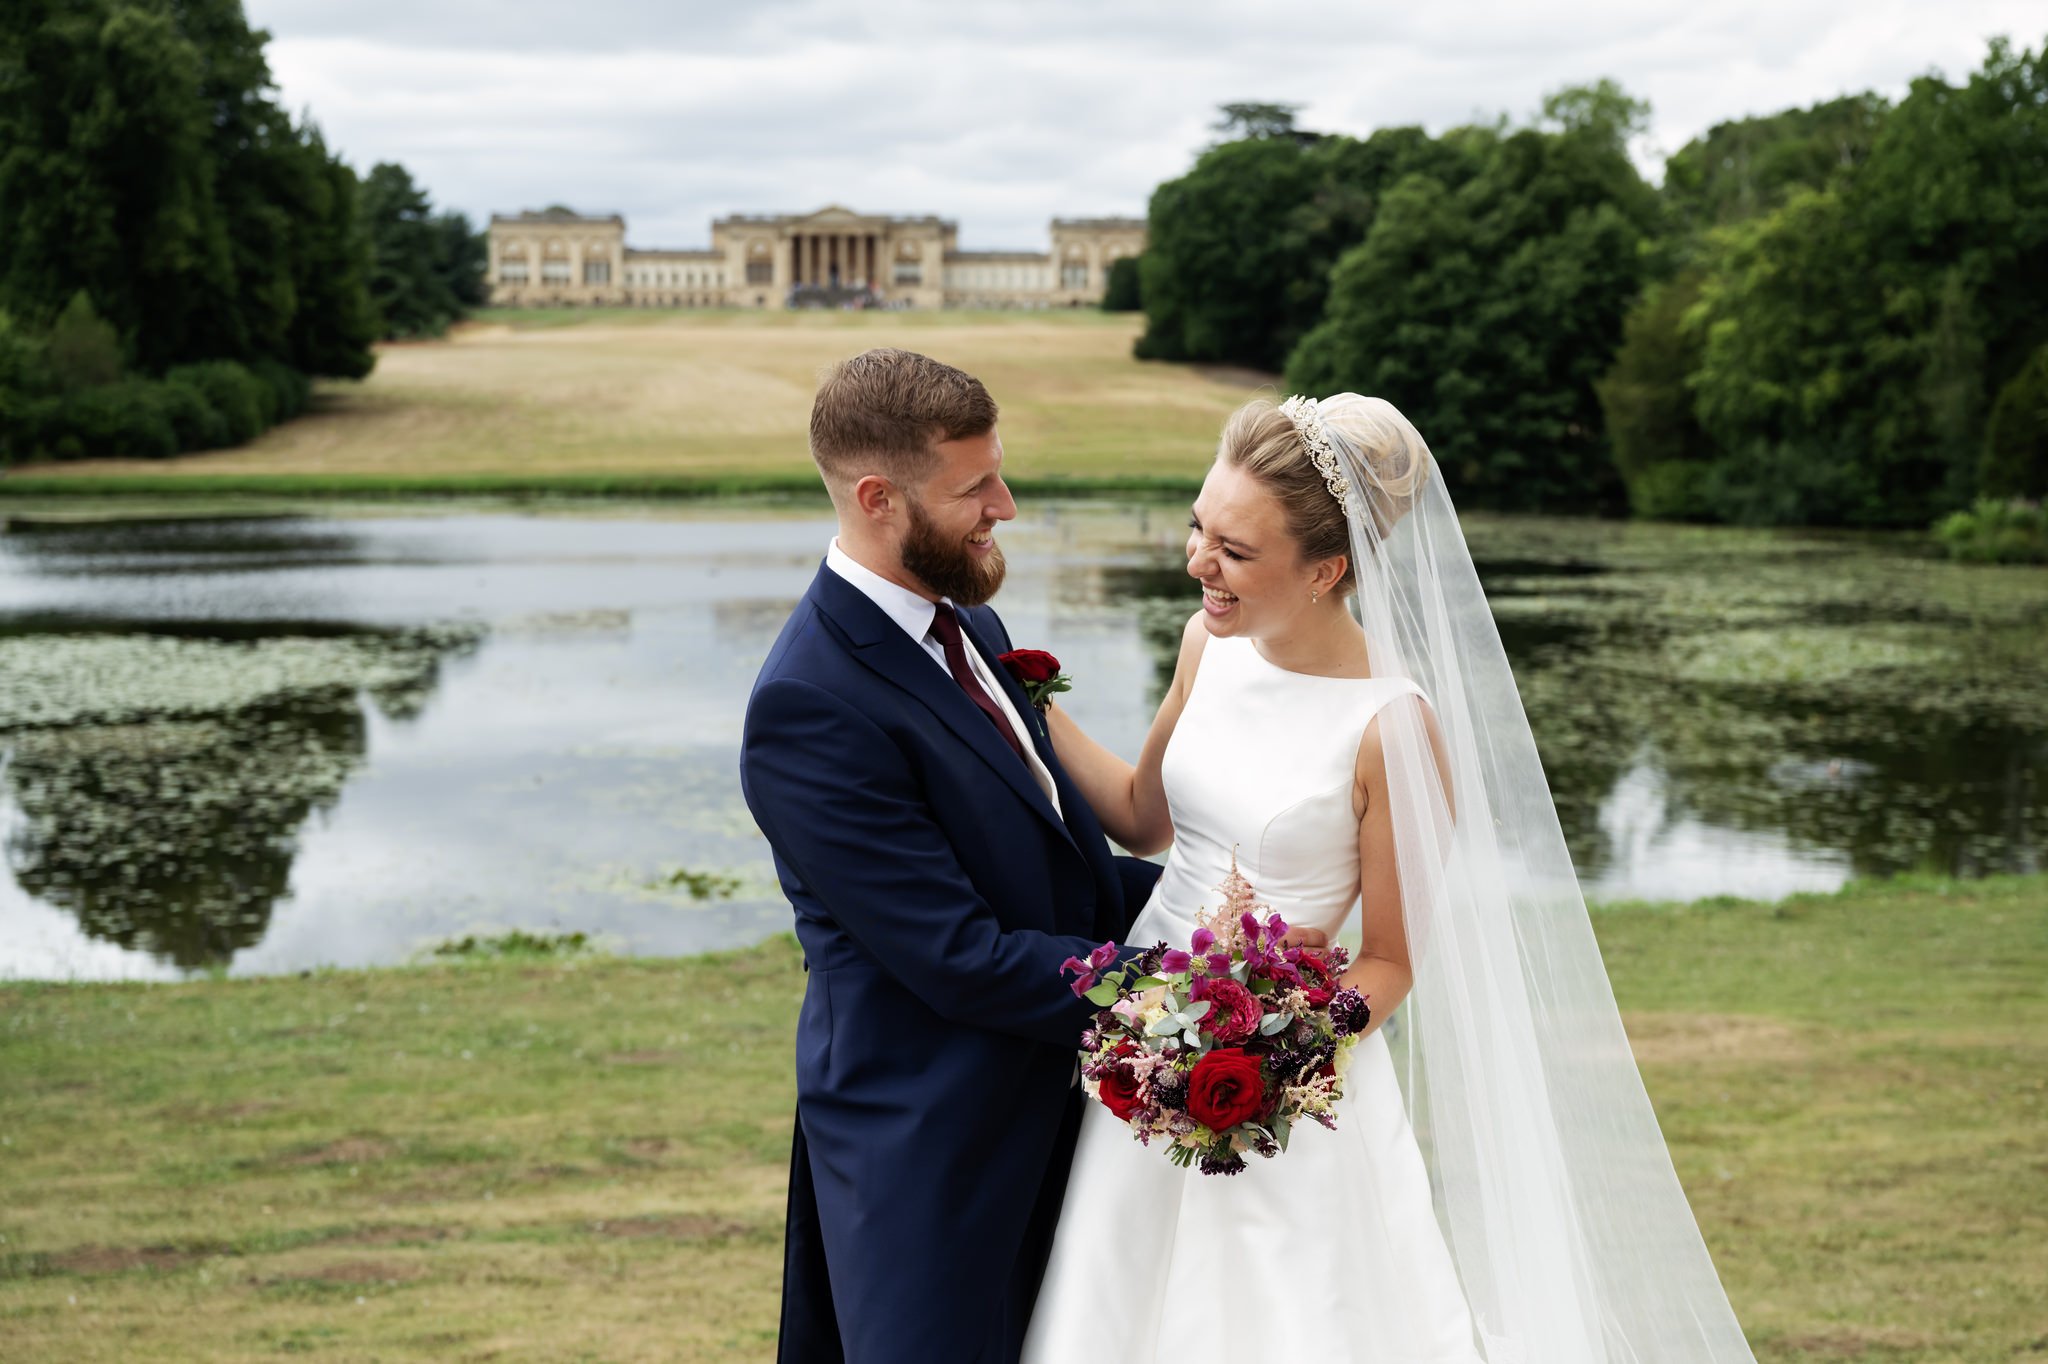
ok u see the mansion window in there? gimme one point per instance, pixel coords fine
(760, 272)
(555, 271)
(908, 272)
(1074, 275)
(512, 272)
(597, 272)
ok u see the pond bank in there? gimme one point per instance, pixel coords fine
(115, 489)
(584, 1157)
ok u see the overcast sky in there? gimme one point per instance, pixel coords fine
(1004, 115)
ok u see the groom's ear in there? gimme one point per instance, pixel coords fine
(878, 500)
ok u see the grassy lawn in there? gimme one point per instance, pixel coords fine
(583, 1159)
(641, 402)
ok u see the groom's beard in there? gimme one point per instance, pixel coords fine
(947, 566)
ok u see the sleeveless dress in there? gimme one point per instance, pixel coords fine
(1332, 1250)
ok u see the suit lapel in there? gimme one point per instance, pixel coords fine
(882, 645)
(1083, 827)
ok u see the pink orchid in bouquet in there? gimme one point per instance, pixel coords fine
(1221, 1048)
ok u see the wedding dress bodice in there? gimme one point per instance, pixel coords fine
(1262, 761)
(1262, 765)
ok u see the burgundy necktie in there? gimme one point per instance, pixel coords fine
(946, 626)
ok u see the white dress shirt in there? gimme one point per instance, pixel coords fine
(915, 615)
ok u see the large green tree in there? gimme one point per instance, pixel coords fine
(1747, 167)
(408, 284)
(1660, 450)
(1487, 310)
(1239, 250)
(145, 161)
(1853, 336)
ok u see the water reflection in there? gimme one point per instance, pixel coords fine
(272, 743)
(176, 836)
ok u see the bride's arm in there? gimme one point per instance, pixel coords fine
(1381, 970)
(1131, 801)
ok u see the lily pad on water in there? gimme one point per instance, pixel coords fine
(1801, 656)
(49, 680)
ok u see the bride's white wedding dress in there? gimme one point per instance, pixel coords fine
(1332, 1251)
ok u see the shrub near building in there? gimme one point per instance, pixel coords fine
(65, 396)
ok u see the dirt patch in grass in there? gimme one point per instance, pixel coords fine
(352, 1272)
(646, 1147)
(681, 1228)
(1665, 1039)
(217, 1113)
(556, 1171)
(122, 1259)
(347, 1151)
(1853, 1344)
(393, 1234)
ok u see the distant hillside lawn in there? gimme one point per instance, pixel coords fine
(579, 395)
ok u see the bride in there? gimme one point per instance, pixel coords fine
(1344, 725)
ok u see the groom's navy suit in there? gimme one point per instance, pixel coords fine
(936, 892)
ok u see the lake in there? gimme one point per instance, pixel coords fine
(264, 743)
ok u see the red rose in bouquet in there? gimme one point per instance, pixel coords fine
(1226, 1088)
(1118, 1091)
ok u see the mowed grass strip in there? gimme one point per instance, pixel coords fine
(624, 402)
(585, 1159)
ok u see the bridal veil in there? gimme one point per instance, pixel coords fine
(1571, 1234)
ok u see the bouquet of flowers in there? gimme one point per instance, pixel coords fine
(1222, 1048)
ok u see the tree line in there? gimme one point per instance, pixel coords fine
(181, 255)
(1835, 315)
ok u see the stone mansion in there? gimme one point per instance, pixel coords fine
(828, 258)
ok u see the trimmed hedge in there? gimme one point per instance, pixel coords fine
(1996, 532)
(204, 406)
(2015, 460)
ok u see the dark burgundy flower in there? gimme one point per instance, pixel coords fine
(1317, 981)
(1349, 1013)
(1224, 1162)
(1234, 1012)
(1030, 665)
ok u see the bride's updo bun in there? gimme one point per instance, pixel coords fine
(1369, 435)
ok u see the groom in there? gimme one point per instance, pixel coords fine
(941, 866)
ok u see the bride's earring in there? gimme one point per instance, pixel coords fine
(1312, 595)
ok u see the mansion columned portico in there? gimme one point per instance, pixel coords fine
(829, 258)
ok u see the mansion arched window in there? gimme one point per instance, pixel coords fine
(554, 264)
(1074, 270)
(909, 265)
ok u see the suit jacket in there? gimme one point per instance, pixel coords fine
(936, 893)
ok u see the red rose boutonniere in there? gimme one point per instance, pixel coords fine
(1038, 673)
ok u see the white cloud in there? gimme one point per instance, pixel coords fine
(1003, 116)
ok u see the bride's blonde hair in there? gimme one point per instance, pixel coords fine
(1266, 443)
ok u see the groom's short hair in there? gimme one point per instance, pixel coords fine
(884, 410)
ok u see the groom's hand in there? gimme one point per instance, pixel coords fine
(1306, 937)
